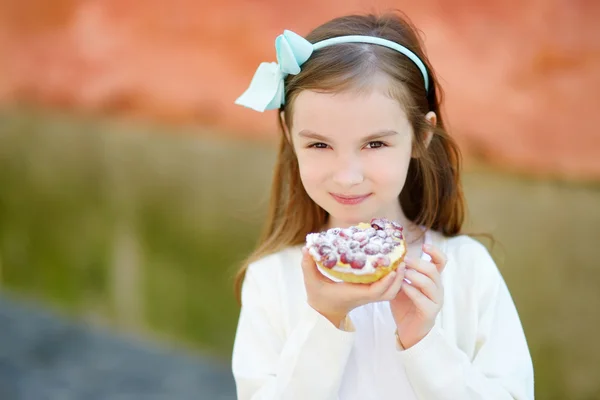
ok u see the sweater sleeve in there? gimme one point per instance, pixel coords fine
(307, 363)
(501, 368)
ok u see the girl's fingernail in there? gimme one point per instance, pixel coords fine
(427, 247)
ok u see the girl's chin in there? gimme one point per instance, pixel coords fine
(345, 221)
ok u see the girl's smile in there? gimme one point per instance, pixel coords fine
(350, 200)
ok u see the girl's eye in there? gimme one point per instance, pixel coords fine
(371, 145)
(318, 146)
(376, 145)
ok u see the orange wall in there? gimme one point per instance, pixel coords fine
(521, 78)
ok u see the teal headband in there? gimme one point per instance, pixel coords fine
(266, 90)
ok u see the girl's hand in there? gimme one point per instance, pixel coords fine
(419, 302)
(334, 300)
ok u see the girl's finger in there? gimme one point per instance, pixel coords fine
(425, 267)
(395, 286)
(420, 301)
(309, 269)
(437, 257)
(424, 284)
(377, 289)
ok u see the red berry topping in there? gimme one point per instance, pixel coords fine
(359, 261)
(397, 225)
(346, 233)
(359, 236)
(347, 258)
(386, 248)
(330, 261)
(371, 249)
(338, 242)
(377, 223)
(324, 250)
(377, 240)
(382, 261)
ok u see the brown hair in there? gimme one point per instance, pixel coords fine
(432, 195)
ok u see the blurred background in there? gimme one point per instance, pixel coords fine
(131, 186)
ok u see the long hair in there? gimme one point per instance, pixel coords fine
(432, 195)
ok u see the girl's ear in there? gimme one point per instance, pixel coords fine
(284, 126)
(431, 120)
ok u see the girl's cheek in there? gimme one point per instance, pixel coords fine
(313, 163)
(387, 170)
(312, 171)
(384, 162)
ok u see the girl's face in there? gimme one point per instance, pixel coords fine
(353, 150)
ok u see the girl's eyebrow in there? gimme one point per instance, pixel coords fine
(306, 133)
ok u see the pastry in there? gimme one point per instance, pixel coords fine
(363, 253)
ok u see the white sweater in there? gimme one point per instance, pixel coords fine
(284, 349)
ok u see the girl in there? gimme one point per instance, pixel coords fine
(362, 137)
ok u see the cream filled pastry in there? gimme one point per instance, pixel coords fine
(362, 253)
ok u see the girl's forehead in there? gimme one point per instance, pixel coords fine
(349, 110)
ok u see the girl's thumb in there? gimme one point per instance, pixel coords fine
(309, 267)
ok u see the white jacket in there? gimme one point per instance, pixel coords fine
(286, 350)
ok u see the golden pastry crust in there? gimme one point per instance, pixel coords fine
(351, 277)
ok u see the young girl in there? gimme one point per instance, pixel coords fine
(363, 137)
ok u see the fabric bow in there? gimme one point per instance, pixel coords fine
(266, 90)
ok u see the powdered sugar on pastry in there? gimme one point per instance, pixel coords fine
(360, 249)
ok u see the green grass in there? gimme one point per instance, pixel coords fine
(142, 226)
(84, 204)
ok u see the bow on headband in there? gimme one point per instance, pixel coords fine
(266, 91)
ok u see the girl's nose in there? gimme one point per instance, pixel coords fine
(348, 172)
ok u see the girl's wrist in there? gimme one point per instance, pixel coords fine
(405, 342)
(335, 317)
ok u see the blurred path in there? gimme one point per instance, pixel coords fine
(44, 357)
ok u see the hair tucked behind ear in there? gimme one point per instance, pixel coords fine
(432, 195)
